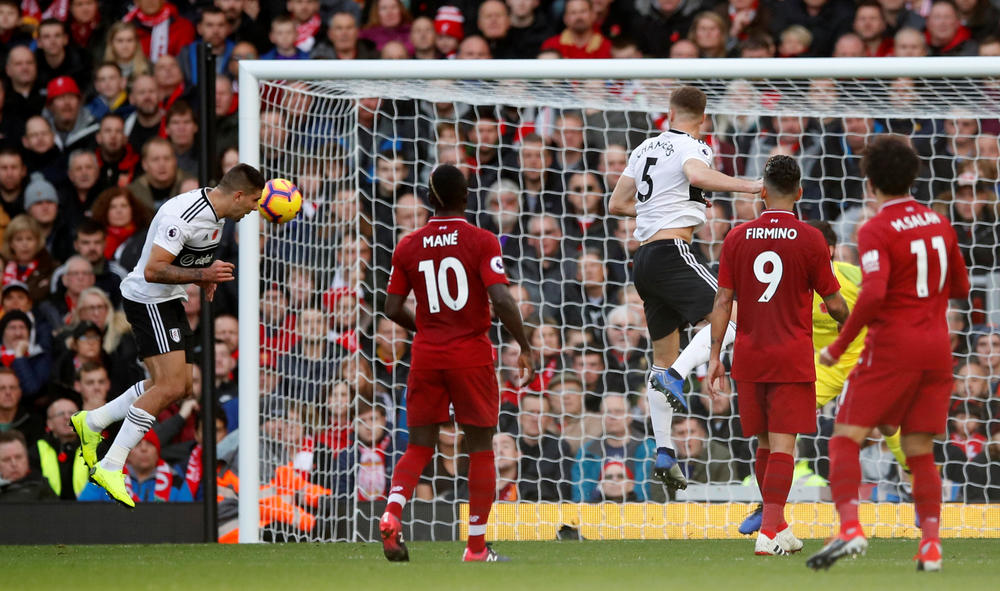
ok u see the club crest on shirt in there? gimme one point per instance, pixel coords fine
(175, 335)
(869, 261)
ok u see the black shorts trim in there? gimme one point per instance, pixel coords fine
(160, 328)
(675, 287)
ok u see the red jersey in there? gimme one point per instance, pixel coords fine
(448, 264)
(774, 264)
(911, 266)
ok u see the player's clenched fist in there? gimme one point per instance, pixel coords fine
(219, 272)
(716, 373)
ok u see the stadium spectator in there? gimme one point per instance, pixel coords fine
(449, 29)
(212, 30)
(95, 306)
(546, 460)
(92, 385)
(842, 183)
(84, 346)
(22, 89)
(13, 414)
(13, 174)
(41, 154)
(88, 243)
(502, 210)
(30, 363)
(423, 38)
(722, 423)
(182, 130)
(684, 49)
(946, 35)
(335, 432)
(14, 296)
(77, 275)
(247, 23)
(529, 28)
(42, 204)
(473, 47)
(541, 185)
(13, 32)
(758, 45)
(796, 41)
(391, 357)
(709, 33)
(170, 85)
(661, 23)
(572, 422)
(587, 301)
(161, 180)
(23, 249)
(702, 459)
(493, 23)
(973, 215)
(747, 19)
(146, 122)
(283, 37)
(59, 456)
(87, 29)
(955, 142)
(388, 21)
(313, 360)
(826, 20)
(56, 57)
(898, 16)
(343, 40)
(122, 214)
(849, 45)
(617, 484)
(148, 478)
(870, 27)
(617, 443)
(190, 468)
(579, 40)
(709, 236)
(124, 49)
(626, 343)
(584, 222)
(117, 160)
(160, 28)
(86, 177)
(445, 477)
(508, 461)
(18, 483)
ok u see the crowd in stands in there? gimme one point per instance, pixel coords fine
(98, 128)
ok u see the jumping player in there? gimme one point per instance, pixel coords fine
(773, 265)
(911, 266)
(451, 266)
(662, 187)
(179, 249)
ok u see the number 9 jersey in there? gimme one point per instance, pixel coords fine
(774, 264)
(448, 264)
(664, 197)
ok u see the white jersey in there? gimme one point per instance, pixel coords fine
(665, 198)
(186, 227)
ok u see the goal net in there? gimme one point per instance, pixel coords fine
(323, 416)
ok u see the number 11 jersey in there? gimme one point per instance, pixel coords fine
(664, 197)
(448, 264)
(774, 264)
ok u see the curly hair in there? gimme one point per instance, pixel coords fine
(890, 164)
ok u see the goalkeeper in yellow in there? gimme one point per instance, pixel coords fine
(830, 380)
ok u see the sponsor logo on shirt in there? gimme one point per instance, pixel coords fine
(869, 261)
(496, 263)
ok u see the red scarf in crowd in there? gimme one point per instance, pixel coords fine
(508, 492)
(13, 272)
(159, 27)
(117, 235)
(305, 33)
(372, 479)
(7, 356)
(59, 10)
(81, 32)
(164, 477)
(192, 475)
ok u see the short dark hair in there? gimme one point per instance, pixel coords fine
(689, 101)
(826, 230)
(89, 226)
(111, 65)
(242, 177)
(12, 436)
(757, 41)
(890, 164)
(782, 175)
(209, 10)
(89, 366)
(448, 188)
(178, 109)
(112, 116)
(11, 152)
(52, 22)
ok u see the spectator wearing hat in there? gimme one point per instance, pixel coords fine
(529, 28)
(14, 296)
(160, 27)
(73, 125)
(41, 154)
(15, 413)
(41, 202)
(147, 477)
(13, 174)
(617, 484)
(343, 40)
(89, 238)
(23, 250)
(448, 24)
(84, 346)
(30, 363)
(18, 483)
(77, 275)
(59, 457)
(22, 91)
(56, 57)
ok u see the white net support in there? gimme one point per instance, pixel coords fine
(542, 145)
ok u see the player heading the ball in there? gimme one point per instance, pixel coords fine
(454, 269)
(179, 249)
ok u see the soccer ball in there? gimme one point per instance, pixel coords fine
(280, 201)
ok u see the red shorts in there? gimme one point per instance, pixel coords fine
(915, 400)
(472, 391)
(774, 407)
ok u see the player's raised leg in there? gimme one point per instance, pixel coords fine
(89, 424)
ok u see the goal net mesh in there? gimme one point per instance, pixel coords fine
(542, 158)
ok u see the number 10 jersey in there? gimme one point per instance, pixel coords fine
(665, 198)
(448, 264)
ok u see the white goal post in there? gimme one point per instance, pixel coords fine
(956, 86)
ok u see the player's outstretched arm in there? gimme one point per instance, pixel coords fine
(506, 308)
(160, 269)
(836, 307)
(704, 177)
(396, 311)
(623, 198)
(721, 313)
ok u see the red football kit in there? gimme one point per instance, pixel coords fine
(911, 267)
(773, 265)
(448, 264)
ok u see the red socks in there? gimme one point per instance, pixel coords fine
(482, 491)
(760, 467)
(777, 483)
(406, 476)
(845, 478)
(926, 494)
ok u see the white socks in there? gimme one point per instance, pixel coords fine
(700, 348)
(115, 410)
(137, 423)
(661, 415)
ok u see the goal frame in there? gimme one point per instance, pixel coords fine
(253, 72)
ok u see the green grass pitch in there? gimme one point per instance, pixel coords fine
(697, 565)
